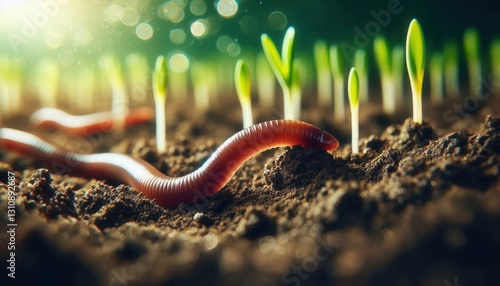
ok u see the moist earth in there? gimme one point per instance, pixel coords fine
(419, 205)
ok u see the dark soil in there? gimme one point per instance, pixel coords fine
(420, 205)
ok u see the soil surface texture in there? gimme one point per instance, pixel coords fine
(419, 205)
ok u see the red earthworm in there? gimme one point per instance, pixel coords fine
(170, 191)
(86, 124)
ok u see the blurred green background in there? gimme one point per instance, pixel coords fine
(79, 30)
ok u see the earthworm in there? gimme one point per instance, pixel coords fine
(86, 124)
(172, 191)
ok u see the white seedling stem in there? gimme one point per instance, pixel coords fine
(266, 82)
(355, 128)
(388, 94)
(161, 127)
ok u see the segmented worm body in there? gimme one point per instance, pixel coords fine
(86, 124)
(170, 191)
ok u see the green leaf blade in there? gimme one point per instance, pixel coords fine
(160, 77)
(471, 44)
(353, 88)
(415, 52)
(415, 64)
(273, 57)
(243, 81)
(381, 51)
(287, 52)
(336, 61)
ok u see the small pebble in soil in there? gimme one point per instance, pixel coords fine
(203, 219)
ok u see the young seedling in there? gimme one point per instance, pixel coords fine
(266, 83)
(160, 78)
(353, 92)
(398, 63)
(84, 89)
(361, 65)
(384, 65)
(138, 72)
(436, 74)
(223, 73)
(243, 84)
(215, 82)
(17, 65)
(324, 81)
(112, 67)
(415, 64)
(450, 62)
(472, 51)
(296, 90)
(282, 66)
(47, 82)
(11, 69)
(201, 87)
(337, 69)
(495, 65)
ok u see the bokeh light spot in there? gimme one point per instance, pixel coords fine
(223, 42)
(176, 15)
(234, 49)
(178, 63)
(130, 16)
(113, 13)
(198, 7)
(144, 31)
(199, 28)
(227, 8)
(172, 11)
(277, 20)
(177, 36)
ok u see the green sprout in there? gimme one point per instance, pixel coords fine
(495, 61)
(361, 65)
(201, 86)
(353, 92)
(243, 84)
(47, 82)
(137, 75)
(160, 79)
(436, 75)
(112, 67)
(84, 89)
(450, 62)
(472, 51)
(282, 66)
(265, 81)
(415, 64)
(324, 81)
(16, 83)
(398, 63)
(10, 85)
(381, 51)
(296, 90)
(337, 69)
